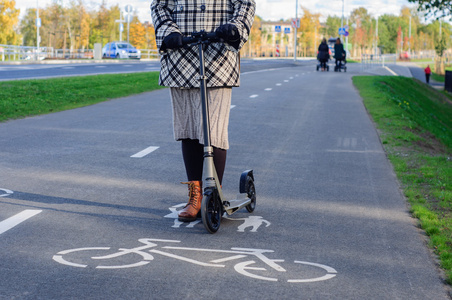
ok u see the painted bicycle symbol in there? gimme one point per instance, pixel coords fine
(5, 192)
(248, 262)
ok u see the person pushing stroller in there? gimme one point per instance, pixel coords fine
(323, 55)
(339, 55)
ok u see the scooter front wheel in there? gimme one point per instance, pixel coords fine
(251, 192)
(211, 211)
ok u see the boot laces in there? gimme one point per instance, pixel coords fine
(193, 194)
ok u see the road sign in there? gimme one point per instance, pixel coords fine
(277, 28)
(296, 23)
(128, 8)
(121, 27)
(342, 31)
(286, 30)
(38, 22)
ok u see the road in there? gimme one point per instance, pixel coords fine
(54, 69)
(329, 209)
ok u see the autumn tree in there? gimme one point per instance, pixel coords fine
(78, 25)
(9, 17)
(137, 35)
(254, 43)
(309, 28)
(150, 37)
(363, 29)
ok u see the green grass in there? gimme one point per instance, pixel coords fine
(22, 98)
(415, 126)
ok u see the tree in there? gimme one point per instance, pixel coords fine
(28, 27)
(435, 8)
(363, 29)
(9, 17)
(309, 27)
(137, 36)
(253, 46)
(332, 26)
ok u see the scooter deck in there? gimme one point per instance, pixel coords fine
(231, 206)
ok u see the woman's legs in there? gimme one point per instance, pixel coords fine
(193, 154)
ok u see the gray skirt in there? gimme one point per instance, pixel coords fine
(187, 114)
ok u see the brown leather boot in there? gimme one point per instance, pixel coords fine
(190, 211)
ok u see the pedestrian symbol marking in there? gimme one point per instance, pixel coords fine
(249, 224)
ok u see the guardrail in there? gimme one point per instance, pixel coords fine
(149, 53)
(9, 52)
(15, 53)
(370, 61)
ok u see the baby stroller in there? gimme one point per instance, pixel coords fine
(323, 57)
(342, 65)
(319, 65)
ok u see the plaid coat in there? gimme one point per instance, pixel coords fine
(180, 67)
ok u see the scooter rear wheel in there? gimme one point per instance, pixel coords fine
(211, 211)
(251, 192)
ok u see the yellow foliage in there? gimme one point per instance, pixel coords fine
(137, 34)
(9, 17)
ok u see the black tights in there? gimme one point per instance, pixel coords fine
(193, 154)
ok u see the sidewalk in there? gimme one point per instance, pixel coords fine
(407, 69)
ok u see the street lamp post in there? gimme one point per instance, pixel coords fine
(342, 18)
(295, 31)
(38, 24)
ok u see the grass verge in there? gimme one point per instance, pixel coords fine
(415, 126)
(23, 98)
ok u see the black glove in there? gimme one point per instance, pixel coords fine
(172, 41)
(229, 33)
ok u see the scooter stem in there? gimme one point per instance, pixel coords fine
(204, 99)
(209, 173)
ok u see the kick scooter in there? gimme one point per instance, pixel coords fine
(213, 204)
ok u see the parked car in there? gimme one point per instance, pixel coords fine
(120, 50)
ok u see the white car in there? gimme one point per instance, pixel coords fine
(120, 50)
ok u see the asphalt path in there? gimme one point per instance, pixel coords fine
(77, 191)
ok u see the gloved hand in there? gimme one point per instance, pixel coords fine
(172, 41)
(229, 33)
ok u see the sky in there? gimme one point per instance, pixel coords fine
(269, 10)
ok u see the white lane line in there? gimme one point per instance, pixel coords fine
(17, 219)
(67, 68)
(391, 71)
(268, 89)
(278, 84)
(145, 152)
(232, 106)
(254, 96)
(126, 66)
(286, 80)
(98, 67)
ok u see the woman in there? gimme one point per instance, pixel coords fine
(339, 53)
(323, 54)
(174, 19)
(427, 72)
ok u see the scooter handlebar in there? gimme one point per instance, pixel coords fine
(197, 37)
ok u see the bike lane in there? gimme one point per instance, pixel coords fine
(329, 212)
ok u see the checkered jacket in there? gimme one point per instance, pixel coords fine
(180, 67)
